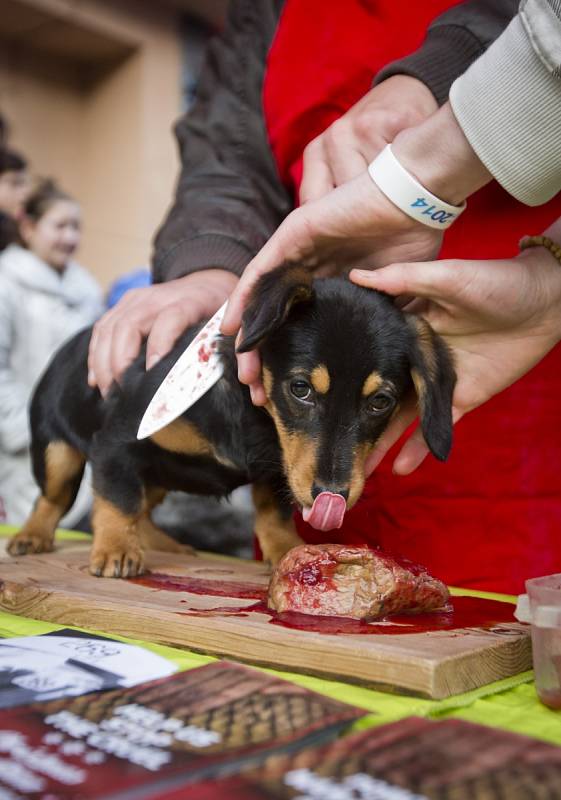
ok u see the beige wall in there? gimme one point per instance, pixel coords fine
(99, 120)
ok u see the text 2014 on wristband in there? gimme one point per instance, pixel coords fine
(405, 192)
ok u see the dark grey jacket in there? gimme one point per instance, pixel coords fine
(229, 199)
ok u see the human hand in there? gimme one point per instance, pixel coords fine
(356, 224)
(353, 224)
(160, 312)
(345, 149)
(500, 318)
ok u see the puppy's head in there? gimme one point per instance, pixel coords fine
(337, 362)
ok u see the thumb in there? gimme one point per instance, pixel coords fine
(430, 279)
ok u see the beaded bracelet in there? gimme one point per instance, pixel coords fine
(542, 241)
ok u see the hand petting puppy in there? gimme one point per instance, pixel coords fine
(161, 313)
(500, 319)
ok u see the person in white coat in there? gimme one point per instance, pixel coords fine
(45, 297)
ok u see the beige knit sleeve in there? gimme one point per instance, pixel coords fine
(508, 104)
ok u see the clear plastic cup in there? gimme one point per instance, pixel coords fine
(544, 599)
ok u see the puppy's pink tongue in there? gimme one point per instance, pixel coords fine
(327, 511)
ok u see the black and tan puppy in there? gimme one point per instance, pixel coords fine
(337, 361)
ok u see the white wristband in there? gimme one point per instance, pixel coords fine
(409, 195)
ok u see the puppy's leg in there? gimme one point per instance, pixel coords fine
(274, 529)
(152, 537)
(118, 506)
(58, 468)
(116, 550)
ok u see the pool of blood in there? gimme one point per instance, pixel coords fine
(462, 612)
(214, 588)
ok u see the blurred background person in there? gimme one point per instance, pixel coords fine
(14, 189)
(45, 297)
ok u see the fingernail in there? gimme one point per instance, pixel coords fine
(152, 361)
(91, 378)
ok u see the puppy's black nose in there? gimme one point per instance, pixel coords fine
(319, 489)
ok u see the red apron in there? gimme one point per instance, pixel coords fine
(491, 516)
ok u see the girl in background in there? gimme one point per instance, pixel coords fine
(14, 189)
(45, 297)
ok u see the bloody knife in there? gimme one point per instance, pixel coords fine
(193, 374)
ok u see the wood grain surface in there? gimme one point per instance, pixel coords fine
(57, 587)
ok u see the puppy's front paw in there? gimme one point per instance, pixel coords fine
(113, 561)
(26, 542)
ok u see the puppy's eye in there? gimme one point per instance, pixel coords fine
(301, 390)
(380, 403)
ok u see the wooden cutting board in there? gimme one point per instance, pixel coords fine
(57, 587)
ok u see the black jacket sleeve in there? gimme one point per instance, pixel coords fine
(229, 198)
(454, 40)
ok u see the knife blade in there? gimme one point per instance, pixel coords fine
(197, 369)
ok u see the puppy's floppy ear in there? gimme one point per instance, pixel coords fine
(273, 296)
(433, 375)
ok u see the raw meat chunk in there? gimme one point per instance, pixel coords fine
(346, 581)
